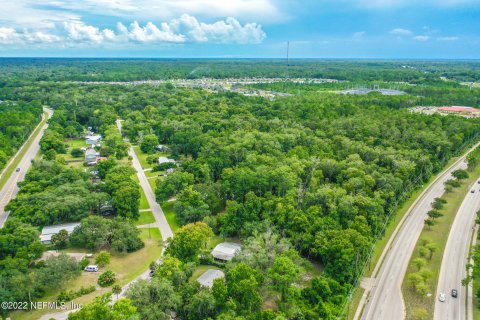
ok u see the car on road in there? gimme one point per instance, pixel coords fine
(478, 181)
(472, 191)
(17, 170)
(441, 297)
(454, 293)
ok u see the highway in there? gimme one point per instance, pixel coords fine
(455, 256)
(10, 189)
(384, 300)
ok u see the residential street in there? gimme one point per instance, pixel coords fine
(160, 220)
(454, 261)
(385, 300)
(10, 189)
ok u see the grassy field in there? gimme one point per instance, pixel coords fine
(72, 144)
(167, 208)
(438, 234)
(146, 217)
(143, 199)
(8, 170)
(126, 266)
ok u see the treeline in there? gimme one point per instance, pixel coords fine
(325, 170)
(15, 71)
(17, 121)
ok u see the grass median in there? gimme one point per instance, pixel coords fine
(7, 172)
(436, 235)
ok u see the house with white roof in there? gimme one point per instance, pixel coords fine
(225, 251)
(49, 231)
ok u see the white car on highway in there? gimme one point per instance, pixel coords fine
(441, 297)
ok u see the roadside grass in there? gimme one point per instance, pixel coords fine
(152, 183)
(146, 217)
(8, 170)
(143, 199)
(167, 208)
(382, 242)
(437, 234)
(126, 266)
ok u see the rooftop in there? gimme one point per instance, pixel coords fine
(206, 279)
(458, 109)
(226, 250)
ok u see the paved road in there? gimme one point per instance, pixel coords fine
(384, 300)
(455, 258)
(10, 189)
(160, 220)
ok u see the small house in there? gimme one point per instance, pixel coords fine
(225, 251)
(93, 139)
(91, 156)
(161, 148)
(165, 160)
(49, 231)
(206, 279)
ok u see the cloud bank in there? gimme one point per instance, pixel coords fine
(185, 29)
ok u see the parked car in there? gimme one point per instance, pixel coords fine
(472, 191)
(91, 268)
(441, 297)
(454, 293)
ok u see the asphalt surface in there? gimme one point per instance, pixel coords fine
(455, 256)
(384, 299)
(160, 220)
(10, 189)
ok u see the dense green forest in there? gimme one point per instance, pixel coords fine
(54, 69)
(17, 121)
(303, 181)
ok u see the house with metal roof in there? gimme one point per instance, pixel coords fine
(207, 278)
(225, 251)
(49, 231)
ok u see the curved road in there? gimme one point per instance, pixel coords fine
(384, 300)
(454, 261)
(10, 189)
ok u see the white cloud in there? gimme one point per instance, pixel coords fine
(223, 31)
(149, 33)
(12, 36)
(447, 38)
(401, 32)
(184, 29)
(421, 38)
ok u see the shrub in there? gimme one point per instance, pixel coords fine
(83, 263)
(76, 153)
(107, 278)
(103, 258)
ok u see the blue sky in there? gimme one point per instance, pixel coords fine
(435, 29)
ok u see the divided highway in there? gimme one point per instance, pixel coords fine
(10, 189)
(454, 261)
(384, 299)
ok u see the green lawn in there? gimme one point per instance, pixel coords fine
(167, 208)
(143, 199)
(126, 266)
(8, 170)
(200, 270)
(72, 144)
(145, 218)
(438, 234)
